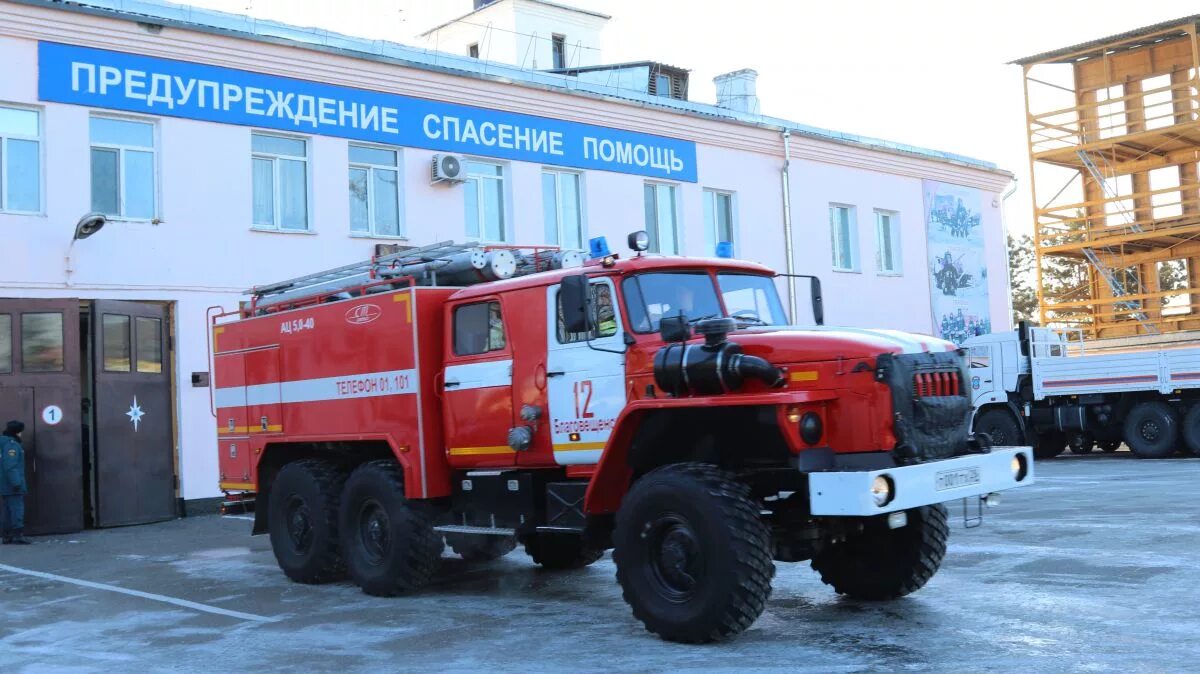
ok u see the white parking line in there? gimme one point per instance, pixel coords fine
(144, 595)
(239, 517)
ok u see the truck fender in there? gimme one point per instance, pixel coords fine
(613, 474)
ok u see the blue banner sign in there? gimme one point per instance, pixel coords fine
(119, 81)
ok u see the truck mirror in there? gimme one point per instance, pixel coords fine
(674, 329)
(818, 302)
(573, 298)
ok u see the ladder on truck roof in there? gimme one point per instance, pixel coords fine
(443, 263)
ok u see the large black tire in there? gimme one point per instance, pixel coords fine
(480, 548)
(1151, 430)
(693, 556)
(1190, 430)
(1081, 443)
(303, 521)
(559, 552)
(1001, 426)
(882, 563)
(1050, 445)
(388, 541)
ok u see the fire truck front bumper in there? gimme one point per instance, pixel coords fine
(877, 492)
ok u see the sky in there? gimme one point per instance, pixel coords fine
(932, 73)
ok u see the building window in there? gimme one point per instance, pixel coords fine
(42, 342)
(478, 328)
(473, 50)
(558, 45)
(485, 201)
(374, 191)
(149, 345)
(887, 242)
(661, 223)
(6, 344)
(718, 218)
(20, 160)
(845, 239)
(561, 209)
(280, 182)
(123, 168)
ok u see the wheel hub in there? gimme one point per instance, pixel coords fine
(373, 531)
(299, 524)
(675, 557)
(1150, 431)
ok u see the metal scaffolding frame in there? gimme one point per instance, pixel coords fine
(1114, 134)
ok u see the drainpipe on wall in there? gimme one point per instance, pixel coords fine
(1004, 228)
(787, 222)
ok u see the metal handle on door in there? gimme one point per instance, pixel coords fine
(555, 373)
(452, 384)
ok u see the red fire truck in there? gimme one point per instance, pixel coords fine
(485, 397)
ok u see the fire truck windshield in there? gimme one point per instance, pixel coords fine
(750, 299)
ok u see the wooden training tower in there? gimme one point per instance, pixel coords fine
(1114, 143)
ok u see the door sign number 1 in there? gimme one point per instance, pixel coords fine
(52, 415)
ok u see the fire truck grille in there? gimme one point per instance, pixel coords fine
(936, 384)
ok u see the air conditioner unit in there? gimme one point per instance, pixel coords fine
(448, 168)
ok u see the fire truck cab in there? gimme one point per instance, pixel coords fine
(485, 397)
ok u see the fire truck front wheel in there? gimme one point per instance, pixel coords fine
(303, 521)
(881, 563)
(388, 541)
(693, 555)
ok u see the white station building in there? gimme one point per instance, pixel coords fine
(228, 152)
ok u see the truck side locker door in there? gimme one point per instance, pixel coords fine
(229, 397)
(586, 385)
(477, 386)
(263, 409)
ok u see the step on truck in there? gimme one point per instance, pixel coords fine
(1050, 389)
(662, 407)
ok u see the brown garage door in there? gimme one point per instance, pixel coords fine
(39, 385)
(135, 454)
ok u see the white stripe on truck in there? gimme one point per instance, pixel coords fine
(365, 385)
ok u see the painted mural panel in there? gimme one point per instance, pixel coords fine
(957, 266)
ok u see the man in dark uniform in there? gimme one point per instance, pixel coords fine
(12, 484)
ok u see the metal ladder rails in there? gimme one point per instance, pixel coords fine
(1097, 263)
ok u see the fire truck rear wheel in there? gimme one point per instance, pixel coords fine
(303, 521)
(1151, 429)
(693, 555)
(561, 551)
(481, 548)
(882, 563)
(388, 541)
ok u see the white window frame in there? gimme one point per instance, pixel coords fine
(834, 240)
(558, 205)
(894, 240)
(371, 232)
(41, 161)
(474, 182)
(275, 226)
(711, 195)
(676, 212)
(121, 149)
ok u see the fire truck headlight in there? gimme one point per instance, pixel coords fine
(882, 490)
(1020, 467)
(639, 241)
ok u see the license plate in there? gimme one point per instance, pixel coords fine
(956, 479)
